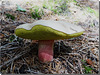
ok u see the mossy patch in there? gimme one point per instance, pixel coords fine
(40, 32)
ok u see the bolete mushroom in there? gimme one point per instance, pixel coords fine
(46, 31)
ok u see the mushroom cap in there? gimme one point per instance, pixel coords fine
(48, 30)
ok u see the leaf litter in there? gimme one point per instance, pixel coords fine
(78, 55)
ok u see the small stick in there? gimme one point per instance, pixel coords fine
(27, 65)
(75, 54)
(69, 63)
(32, 72)
(16, 57)
(80, 66)
(7, 45)
(11, 69)
(59, 46)
(9, 49)
(83, 48)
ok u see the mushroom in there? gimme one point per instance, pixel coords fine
(46, 31)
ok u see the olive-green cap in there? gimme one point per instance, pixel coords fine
(48, 30)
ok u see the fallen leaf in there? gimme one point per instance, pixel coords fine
(1, 35)
(89, 62)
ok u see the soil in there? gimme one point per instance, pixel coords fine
(78, 55)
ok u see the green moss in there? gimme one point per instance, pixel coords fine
(40, 32)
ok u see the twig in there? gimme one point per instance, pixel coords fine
(69, 64)
(16, 57)
(9, 55)
(94, 55)
(83, 52)
(11, 69)
(8, 49)
(4, 46)
(84, 48)
(75, 54)
(59, 46)
(2, 52)
(32, 72)
(27, 65)
(80, 66)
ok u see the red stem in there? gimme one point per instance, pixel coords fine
(45, 52)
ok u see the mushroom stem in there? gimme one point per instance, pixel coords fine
(45, 52)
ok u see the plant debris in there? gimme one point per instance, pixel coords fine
(78, 55)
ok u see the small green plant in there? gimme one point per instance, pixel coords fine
(12, 37)
(36, 12)
(63, 7)
(57, 6)
(74, 1)
(90, 10)
(88, 70)
(10, 16)
(20, 9)
(54, 10)
(45, 6)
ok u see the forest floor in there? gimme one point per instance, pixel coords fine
(78, 55)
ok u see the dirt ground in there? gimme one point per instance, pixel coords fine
(78, 55)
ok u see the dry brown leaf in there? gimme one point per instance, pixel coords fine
(89, 62)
